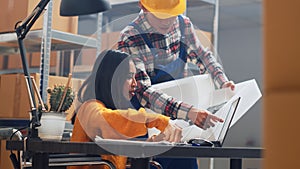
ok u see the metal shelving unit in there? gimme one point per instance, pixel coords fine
(60, 41)
(47, 40)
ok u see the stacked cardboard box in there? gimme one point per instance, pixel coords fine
(14, 103)
(4, 156)
(14, 11)
(14, 100)
(17, 10)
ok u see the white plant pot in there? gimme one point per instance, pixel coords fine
(52, 126)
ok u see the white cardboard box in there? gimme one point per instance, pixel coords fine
(200, 91)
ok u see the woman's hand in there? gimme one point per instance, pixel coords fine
(172, 133)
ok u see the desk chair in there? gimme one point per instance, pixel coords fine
(56, 161)
(61, 161)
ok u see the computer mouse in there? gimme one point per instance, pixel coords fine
(200, 142)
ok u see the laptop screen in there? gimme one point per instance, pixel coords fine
(227, 121)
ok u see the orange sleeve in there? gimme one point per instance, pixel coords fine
(129, 122)
(156, 120)
(118, 124)
(134, 123)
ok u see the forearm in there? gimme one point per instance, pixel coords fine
(164, 104)
(201, 55)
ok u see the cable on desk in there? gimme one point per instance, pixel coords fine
(16, 161)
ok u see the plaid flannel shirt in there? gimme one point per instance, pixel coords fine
(167, 47)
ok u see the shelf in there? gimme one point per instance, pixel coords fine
(66, 41)
(31, 70)
(60, 41)
(209, 1)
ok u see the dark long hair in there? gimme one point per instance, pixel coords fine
(106, 80)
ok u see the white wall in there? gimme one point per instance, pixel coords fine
(240, 49)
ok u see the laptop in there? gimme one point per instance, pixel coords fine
(221, 129)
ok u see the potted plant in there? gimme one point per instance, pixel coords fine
(61, 98)
(53, 116)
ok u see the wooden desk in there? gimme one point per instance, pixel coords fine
(41, 149)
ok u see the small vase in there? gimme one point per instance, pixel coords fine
(52, 126)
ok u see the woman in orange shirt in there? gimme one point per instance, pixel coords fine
(106, 110)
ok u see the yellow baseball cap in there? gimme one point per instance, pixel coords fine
(165, 8)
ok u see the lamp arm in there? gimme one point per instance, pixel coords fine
(28, 22)
(21, 30)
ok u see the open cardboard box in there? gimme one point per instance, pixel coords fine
(200, 92)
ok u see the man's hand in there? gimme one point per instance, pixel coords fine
(229, 84)
(203, 118)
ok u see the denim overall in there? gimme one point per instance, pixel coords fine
(171, 71)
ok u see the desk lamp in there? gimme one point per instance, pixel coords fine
(67, 8)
